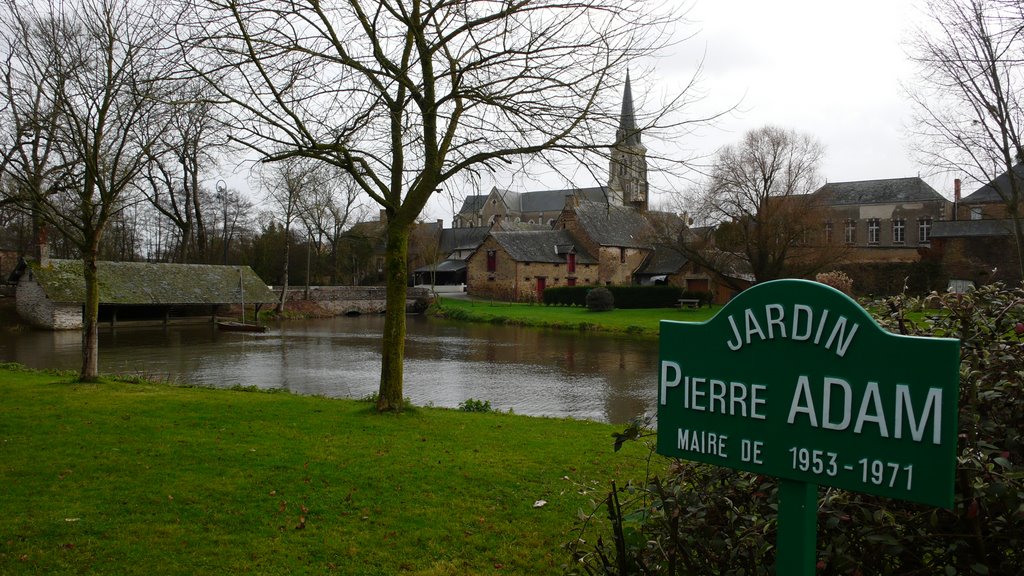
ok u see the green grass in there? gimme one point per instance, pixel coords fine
(638, 321)
(142, 478)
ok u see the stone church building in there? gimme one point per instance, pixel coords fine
(598, 236)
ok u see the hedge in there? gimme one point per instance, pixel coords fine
(625, 296)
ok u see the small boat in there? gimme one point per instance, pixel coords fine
(242, 326)
(230, 326)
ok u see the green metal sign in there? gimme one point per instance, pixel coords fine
(794, 379)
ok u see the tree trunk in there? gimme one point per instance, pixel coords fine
(389, 398)
(287, 259)
(90, 319)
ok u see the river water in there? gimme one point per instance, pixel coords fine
(539, 372)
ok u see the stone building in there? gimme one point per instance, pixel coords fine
(51, 295)
(519, 265)
(627, 185)
(587, 236)
(620, 237)
(540, 208)
(978, 245)
(886, 220)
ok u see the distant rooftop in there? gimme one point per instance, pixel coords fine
(883, 191)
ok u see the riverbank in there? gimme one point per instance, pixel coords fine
(644, 321)
(144, 478)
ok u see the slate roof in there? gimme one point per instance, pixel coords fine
(609, 225)
(538, 201)
(554, 200)
(443, 266)
(663, 260)
(884, 191)
(453, 239)
(473, 204)
(971, 228)
(540, 246)
(143, 283)
(989, 193)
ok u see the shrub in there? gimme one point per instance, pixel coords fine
(471, 405)
(838, 280)
(646, 296)
(566, 295)
(700, 519)
(624, 296)
(600, 299)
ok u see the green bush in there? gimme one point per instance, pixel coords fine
(600, 299)
(625, 296)
(471, 405)
(699, 519)
(566, 295)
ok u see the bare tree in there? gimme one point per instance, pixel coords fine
(969, 115)
(404, 95)
(758, 195)
(232, 213)
(173, 177)
(101, 79)
(293, 180)
(327, 209)
(30, 163)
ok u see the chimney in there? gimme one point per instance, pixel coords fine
(42, 247)
(956, 197)
(440, 223)
(383, 215)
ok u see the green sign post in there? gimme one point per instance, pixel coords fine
(794, 379)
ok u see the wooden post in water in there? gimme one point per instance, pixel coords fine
(241, 292)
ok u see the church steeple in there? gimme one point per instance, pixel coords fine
(627, 134)
(627, 178)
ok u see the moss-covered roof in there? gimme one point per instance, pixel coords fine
(143, 283)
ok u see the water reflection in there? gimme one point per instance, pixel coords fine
(531, 371)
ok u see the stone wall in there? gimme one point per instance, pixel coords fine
(341, 300)
(499, 284)
(35, 308)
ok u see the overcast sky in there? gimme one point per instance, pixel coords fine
(828, 68)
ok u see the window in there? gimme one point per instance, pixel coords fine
(622, 255)
(873, 227)
(975, 212)
(851, 231)
(570, 263)
(828, 232)
(899, 231)
(924, 230)
(492, 260)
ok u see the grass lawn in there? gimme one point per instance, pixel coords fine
(142, 478)
(637, 321)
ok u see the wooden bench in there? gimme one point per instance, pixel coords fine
(689, 303)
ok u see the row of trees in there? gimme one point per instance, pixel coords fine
(107, 102)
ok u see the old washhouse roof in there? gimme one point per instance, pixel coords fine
(142, 283)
